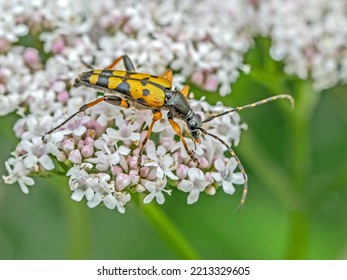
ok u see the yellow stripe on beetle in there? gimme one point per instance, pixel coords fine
(93, 79)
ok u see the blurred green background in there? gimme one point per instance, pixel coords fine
(296, 161)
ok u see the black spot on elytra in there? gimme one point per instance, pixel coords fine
(145, 92)
(144, 81)
(123, 87)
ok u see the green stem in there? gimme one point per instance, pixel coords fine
(299, 228)
(305, 103)
(167, 229)
(299, 235)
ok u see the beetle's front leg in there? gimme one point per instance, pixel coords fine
(178, 131)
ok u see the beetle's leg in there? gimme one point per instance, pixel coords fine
(167, 75)
(117, 101)
(178, 131)
(129, 66)
(156, 117)
(112, 99)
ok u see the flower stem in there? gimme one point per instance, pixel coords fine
(167, 229)
(299, 232)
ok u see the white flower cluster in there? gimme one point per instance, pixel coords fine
(309, 36)
(99, 151)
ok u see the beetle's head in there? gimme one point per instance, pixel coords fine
(194, 125)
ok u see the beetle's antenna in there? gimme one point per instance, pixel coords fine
(252, 105)
(86, 64)
(244, 175)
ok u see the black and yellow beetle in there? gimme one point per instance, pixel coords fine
(155, 93)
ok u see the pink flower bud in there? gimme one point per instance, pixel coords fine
(75, 156)
(134, 176)
(133, 163)
(89, 141)
(203, 163)
(87, 151)
(63, 96)
(144, 171)
(32, 58)
(122, 181)
(116, 170)
(68, 145)
(211, 83)
(192, 164)
(58, 46)
(181, 171)
(197, 78)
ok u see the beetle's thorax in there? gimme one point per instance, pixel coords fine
(178, 107)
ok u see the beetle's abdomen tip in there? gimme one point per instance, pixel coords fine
(76, 83)
(83, 78)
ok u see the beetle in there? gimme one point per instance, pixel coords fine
(145, 91)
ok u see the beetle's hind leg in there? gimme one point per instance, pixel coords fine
(112, 99)
(128, 64)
